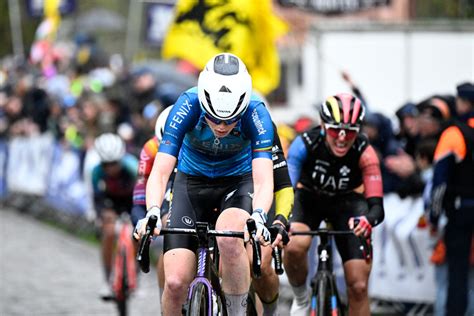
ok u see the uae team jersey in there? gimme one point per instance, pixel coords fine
(188, 137)
(311, 163)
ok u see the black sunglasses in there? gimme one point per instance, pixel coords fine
(217, 121)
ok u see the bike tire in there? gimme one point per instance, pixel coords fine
(322, 297)
(221, 308)
(123, 297)
(198, 304)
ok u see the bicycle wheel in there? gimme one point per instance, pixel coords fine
(322, 298)
(198, 304)
(218, 305)
(121, 285)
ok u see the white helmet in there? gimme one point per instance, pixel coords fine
(161, 121)
(110, 147)
(224, 87)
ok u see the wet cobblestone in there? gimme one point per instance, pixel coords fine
(45, 271)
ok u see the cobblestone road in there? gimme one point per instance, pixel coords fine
(44, 271)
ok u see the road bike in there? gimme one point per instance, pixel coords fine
(124, 269)
(205, 295)
(325, 299)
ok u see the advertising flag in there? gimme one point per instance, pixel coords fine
(246, 28)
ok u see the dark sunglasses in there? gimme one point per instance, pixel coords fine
(109, 164)
(226, 122)
(336, 131)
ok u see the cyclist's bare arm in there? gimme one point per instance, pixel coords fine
(156, 186)
(373, 191)
(160, 174)
(262, 173)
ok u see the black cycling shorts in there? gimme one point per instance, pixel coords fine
(202, 199)
(311, 209)
(118, 205)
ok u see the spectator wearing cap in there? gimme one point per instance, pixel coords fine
(144, 83)
(464, 101)
(452, 194)
(433, 116)
(378, 128)
(407, 134)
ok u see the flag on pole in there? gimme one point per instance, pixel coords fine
(246, 28)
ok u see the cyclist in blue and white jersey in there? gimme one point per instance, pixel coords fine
(221, 135)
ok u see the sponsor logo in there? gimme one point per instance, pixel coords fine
(187, 221)
(279, 165)
(258, 123)
(344, 171)
(228, 196)
(180, 114)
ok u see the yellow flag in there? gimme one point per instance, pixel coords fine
(246, 28)
(52, 14)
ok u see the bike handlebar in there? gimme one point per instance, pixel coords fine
(365, 242)
(192, 231)
(143, 255)
(319, 232)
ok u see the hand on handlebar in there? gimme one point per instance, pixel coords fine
(263, 234)
(140, 228)
(361, 226)
(279, 234)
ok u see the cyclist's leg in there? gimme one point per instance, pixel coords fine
(295, 256)
(304, 218)
(356, 272)
(237, 206)
(267, 286)
(295, 261)
(179, 264)
(160, 272)
(108, 218)
(235, 261)
(179, 250)
(356, 267)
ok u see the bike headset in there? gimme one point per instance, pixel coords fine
(161, 122)
(342, 114)
(224, 88)
(110, 148)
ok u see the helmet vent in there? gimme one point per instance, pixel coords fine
(241, 99)
(208, 98)
(226, 65)
(225, 89)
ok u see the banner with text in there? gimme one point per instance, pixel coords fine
(401, 269)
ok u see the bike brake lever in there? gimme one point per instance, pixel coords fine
(257, 252)
(365, 247)
(143, 255)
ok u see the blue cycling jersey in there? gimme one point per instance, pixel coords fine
(188, 137)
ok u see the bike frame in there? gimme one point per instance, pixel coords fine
(124, 269)
(325, 271)
(206, 268)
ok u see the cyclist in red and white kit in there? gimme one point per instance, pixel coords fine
(337, 177)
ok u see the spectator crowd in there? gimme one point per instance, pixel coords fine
(85, 93)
